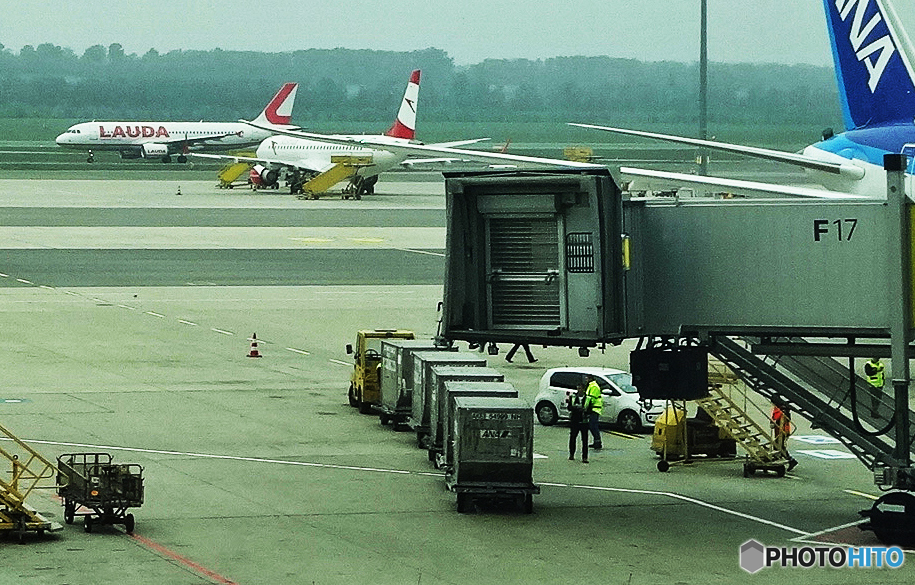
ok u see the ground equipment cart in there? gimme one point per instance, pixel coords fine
(104, 489)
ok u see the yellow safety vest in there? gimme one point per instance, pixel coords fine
(875, 379)
(594, 402)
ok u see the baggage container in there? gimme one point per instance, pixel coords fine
(397, 378)
(493, 452)
(438, 399)
(454, 389)
(423, 361)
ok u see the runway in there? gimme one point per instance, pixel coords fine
(128, 311)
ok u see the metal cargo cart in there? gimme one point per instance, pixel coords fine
(102, 489)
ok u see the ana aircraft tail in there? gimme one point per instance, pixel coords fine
(279, 111)
(405, 124)
(873, 58)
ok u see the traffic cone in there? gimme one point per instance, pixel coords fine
(253, 352)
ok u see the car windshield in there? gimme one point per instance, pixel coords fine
(623, 381)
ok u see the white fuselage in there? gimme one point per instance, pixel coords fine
(318, 156)
(133, 135)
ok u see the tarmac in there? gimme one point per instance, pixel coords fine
(128, 309)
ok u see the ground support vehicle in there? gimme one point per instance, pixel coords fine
(90, 485)
(679, 438)
(365, 382)
(493, 453)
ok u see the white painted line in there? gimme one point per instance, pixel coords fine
(187, 322)
(827, 531)
(72, 294)
(223, 331)
(4, 275)
(347, 364)
(816, 439)
(24, 281)
(827, 454)
(128, 307)
(301, 351)
(554, 484)
(46, 287)
(862, 494)
(155, 314)
(420, 252)
(697, 502)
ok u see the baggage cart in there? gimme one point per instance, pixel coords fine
(90, 485)
(438, 400)
(422, 370)
(454, 389)
(397, 378)
(493, 452)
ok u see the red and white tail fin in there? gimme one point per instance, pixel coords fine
(279, 111)
(405, 124)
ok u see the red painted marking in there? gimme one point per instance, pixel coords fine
(168, 553)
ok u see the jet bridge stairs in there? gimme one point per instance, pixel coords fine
(818, 389)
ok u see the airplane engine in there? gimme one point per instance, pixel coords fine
(263, 176)
(151, 150)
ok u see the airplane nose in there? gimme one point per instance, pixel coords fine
(60, 140)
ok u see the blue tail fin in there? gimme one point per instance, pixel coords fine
(873, 61)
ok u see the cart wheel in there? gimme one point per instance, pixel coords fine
(87, 524)
(528, 503)
(463, 503)
(748, 470)
(69, 511)
(129, 523)
(663, 466)
(780, 471)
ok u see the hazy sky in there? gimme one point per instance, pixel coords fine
(782, 31)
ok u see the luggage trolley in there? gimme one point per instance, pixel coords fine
(92, 481)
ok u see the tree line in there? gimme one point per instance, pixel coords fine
(344, 84)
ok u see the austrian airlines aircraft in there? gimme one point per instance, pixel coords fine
(301, 156)
(162, 139)
(875, 68)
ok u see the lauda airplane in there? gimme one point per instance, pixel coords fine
(875, 68)
(162, 139)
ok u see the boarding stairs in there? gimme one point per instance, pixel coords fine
(29, 471)
(729, 407)
(806, 390)
(230, 173)
(344, 168)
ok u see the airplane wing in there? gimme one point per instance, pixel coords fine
(661, 179)
(800, 160)
(428, 149)
(262, 161)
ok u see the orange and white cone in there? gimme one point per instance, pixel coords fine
(254, 352)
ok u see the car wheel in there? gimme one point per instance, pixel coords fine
(546, 414)
(629, 421)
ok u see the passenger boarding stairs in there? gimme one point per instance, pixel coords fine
(344, 168)
(730, 408)
(29, 470)
(818, 389)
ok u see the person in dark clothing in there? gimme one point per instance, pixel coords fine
(527, 351)
(578, 423)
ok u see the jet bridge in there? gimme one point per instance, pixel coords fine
(563, 258)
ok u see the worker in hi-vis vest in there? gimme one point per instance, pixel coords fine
(594, 404)
(875, 373)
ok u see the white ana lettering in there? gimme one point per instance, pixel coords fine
(858, 33)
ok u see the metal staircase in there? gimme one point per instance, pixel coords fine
(29, 469)
(817, 406)
(344, 168)
(737, 422)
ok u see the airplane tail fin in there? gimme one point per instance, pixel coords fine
(279, 111)
(405, 124)
(874, 60)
